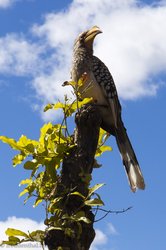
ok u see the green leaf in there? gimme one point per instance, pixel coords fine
(30, 165)
(12, 241)
(37, 235)
(94, 188)
(85, 101)
(81, 80)
(71, 83)
(11, 142)
(105, 148)
(102, 149)
(59, 105)
(27, 145)
(79, 104)
(37, 202)
(80, 216)
(50, 170)
(48, 106)
(94, 202)
(23, 141)
(54, 228)
(23, 192)
(78, 194)
(29, 189)
(101, 135)
(15, 232)
(24, 182)
(84, 219)
(45, 130)
(18, 159)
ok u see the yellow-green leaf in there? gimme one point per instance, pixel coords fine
(15, 232)
(37, 235)
(11, 142)
(80, 216)
(24, 182)
(105, 148)
(94, 188)
(12, 241)
(48, 127)
(37, 202)
(23, 141)
(84, 219)
(70, 83)
(79, 104)
(18, 159)
(102, 136)
(102, 149)
(30, 165)
(58, 105)
(48, 106)
(84, 101)
(94, 202)
(23, 192)
(79, 194)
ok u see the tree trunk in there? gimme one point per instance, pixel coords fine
(75, 176)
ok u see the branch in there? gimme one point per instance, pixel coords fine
(111, 212)
(77, 166)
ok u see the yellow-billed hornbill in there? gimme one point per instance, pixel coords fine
(100, 85)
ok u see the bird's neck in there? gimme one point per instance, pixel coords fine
(82, 51)
(82, 60)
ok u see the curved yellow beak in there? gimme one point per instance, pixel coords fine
(90, 35)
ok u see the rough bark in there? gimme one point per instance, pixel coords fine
(77, 167)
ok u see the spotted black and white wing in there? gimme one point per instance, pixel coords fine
(105, 80)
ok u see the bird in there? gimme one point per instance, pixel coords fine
(99, 84)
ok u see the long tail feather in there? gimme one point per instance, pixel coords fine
(130, 162)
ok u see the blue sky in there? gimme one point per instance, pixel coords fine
(36, 39)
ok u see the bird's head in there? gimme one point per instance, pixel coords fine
(86, 38)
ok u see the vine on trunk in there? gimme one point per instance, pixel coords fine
(60, 166)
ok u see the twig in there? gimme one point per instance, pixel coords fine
(111, 212)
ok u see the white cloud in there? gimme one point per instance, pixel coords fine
(132, 46)
(28, 225)
(24, 224)
(6, 3)
(111, 229)
(100, 240)
(18, 56)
